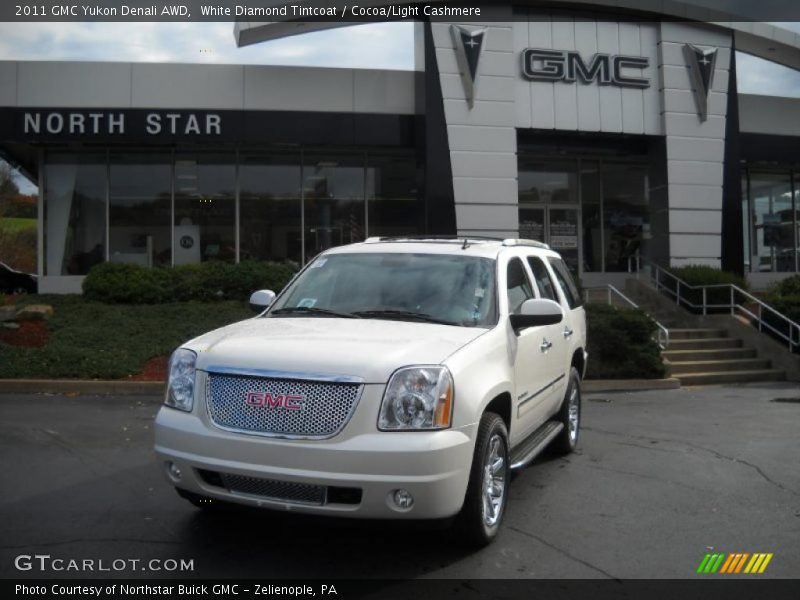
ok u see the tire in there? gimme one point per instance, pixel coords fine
(567, 440)
(482, 514)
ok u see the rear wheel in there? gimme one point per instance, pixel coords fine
(570, 416)
(487, 491)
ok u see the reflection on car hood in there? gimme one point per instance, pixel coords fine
(368, 348)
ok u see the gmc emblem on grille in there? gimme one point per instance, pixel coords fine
(269, 400)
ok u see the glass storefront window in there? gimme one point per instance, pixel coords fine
(140, 205)
(75, 213)
(626, 219)
(270, 207)
(746, 223)
(334, 207)
(595, 212)
(547, 181)
(591, 216)
(772, 222)
(392, 203)
(205, 208)
(167, 207)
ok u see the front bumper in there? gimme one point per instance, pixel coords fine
(432, 466)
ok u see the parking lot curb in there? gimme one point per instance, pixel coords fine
(156, 388)
(629, 385)
(81, 386)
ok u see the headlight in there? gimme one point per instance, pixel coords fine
(417, 398)
(180, 387)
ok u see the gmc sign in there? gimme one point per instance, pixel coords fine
(567, 65)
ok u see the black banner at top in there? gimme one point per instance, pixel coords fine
(363, 11)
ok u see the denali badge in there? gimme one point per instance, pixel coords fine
(269, 400)
(566, 65)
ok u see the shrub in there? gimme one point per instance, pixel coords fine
(786, 287)
(620, 344)
(132, 284)
(18, 248)
(699, 275)
(784, 297)
(117, 283)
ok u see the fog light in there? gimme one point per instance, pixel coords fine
(173, 471)
(403, 499)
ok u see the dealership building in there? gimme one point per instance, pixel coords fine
(607, 132)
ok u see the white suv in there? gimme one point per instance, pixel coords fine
(395, 378)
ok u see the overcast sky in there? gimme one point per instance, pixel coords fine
(378, 46)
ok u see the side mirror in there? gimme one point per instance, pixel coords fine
(261, 300)
(534, 313)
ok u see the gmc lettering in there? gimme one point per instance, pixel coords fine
(566, 65)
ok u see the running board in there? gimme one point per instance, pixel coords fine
(529, 449)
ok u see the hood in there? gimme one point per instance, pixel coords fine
(368, 348)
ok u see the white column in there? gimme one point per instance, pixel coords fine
(695, 149)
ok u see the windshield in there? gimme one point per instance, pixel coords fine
(436, 288)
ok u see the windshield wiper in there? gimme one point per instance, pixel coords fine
(402, 315)
(314, 311)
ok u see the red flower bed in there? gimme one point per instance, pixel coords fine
(31, 334)
(154, 369)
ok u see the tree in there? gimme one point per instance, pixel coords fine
(8, 187)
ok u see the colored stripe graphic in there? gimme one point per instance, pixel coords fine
(741, 562)
(727, 564)
(766, 562)
(703, 563)
(736, 562)
(716, 565)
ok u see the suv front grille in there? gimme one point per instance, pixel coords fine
(275, 490)
(280, 407)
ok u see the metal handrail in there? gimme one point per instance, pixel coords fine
(662, 336)
(660, 273)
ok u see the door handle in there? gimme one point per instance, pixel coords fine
(567, 332)
(545, 345)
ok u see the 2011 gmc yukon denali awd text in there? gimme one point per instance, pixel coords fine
(395, 378)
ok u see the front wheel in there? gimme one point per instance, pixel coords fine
(570, 416)
(487, 491)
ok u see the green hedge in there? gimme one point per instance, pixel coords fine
(705, 275)
(620, 344)
(698, 275)
(786, 287)
(784, 297)
(116, 283)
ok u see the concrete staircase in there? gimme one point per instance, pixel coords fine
(699, 354)
(706, 356)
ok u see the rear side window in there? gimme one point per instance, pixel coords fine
(566, 282)
(541, 279)
(517, 286)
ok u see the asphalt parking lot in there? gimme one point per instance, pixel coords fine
(661, 478)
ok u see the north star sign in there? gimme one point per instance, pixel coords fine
(114, 123)
(540, 64)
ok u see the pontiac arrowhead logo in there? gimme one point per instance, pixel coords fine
(469, 44)
(701, 68)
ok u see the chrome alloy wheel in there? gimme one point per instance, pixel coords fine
(574, 414)
(494, 481)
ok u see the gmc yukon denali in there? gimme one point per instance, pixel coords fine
(399, 378)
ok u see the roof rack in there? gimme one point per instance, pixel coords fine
(460, 239)
(523, 242)
(432, 238)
